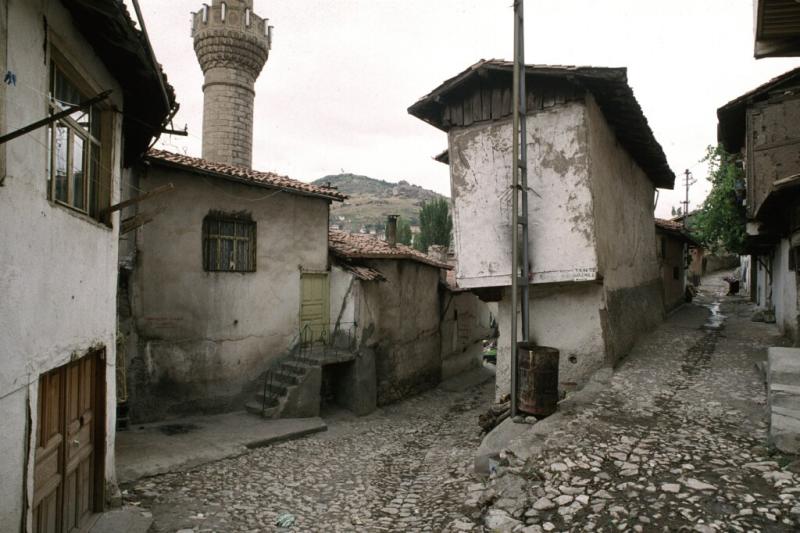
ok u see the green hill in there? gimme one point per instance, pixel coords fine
(371, 200)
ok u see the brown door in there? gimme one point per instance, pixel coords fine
(64, 471)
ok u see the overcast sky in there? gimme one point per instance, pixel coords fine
(341, 74)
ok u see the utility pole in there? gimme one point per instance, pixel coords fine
(688, 182)
(520, 259)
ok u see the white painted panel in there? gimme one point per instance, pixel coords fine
(562, 240)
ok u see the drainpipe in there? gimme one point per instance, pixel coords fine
(391, 230)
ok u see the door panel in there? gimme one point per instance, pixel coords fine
(314, 307)
(64, 460)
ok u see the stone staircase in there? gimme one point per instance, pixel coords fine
(292, 387)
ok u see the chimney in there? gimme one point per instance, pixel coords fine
(232, 45)
(391, 230)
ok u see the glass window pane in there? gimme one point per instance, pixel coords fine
(94, 180)
(226, 260)
(95, 125)
(227, 228)
(242, 256)
(78, 176)
(62, 139)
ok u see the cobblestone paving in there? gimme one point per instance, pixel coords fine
(403, 469)
(675, 444)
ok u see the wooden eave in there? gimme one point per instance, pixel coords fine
(777, 28)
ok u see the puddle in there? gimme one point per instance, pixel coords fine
(716, 320)
(177, 429)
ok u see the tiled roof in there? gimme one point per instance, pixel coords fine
(361, 272)
(675, 229)
(358, 246)
(242, 174)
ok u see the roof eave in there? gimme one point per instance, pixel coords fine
(243, 181)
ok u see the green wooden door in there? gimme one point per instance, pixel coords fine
(314, 306)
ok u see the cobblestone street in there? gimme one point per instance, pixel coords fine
(677, 442)
(403, 469)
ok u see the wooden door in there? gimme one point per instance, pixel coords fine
(64, 469)
(314, 306)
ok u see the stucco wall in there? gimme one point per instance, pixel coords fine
(623, 212)
(399, 319)
(561, 232)
(673, 258)
(464, 325)
(58, 268)
(784, 291)
(566, 317)
(205, 336)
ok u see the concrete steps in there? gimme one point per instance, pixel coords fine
(783, 395)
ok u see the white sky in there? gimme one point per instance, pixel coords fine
(334, 93)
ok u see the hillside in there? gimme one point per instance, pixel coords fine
(371, 200)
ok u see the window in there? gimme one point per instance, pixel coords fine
(74, 148)
(229, 243)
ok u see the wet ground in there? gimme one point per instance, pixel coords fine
(675, 444)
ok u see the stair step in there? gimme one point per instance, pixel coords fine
(255, 408)
(286, 379)
(295, 367)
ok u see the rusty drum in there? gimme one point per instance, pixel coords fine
(537, 379)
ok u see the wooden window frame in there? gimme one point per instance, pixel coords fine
(238, 220)
(97, 182)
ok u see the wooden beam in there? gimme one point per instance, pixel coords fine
(146, 196)
(134, 222)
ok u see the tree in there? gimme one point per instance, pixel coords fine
(435, 224)
(403, 231)
(720, 222)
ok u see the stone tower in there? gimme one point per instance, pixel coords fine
(232, 45)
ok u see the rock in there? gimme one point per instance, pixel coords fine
(603, 495)
(564, 499)
(548, 526)
(544, 504)
(500, 522)
(460, 525)
(696, 484)
(672, 488)
(558, 467)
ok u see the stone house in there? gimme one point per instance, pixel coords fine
(763, 126)
(593, 167)
(673, 250)
(220, 283)
(59, 225)
(416, 327)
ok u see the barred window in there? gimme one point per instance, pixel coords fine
(229, 243)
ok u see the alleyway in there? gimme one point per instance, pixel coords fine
(676, 442)
(402, 469)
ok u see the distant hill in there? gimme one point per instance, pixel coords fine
(371, 200)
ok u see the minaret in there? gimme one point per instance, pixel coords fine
(232, 45)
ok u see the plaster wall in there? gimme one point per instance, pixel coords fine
(464, 324)
(784, 291)
(623, 214)
(399, 321)
(345, 292)
(561, 231)
(566, 317)
(204, 337)
(58, 268)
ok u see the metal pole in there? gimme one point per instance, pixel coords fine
(523, 178)
(518, 181)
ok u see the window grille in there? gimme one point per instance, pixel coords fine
(229, 244)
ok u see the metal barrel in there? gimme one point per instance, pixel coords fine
(537, 382)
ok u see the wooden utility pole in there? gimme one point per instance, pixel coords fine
(520, 267)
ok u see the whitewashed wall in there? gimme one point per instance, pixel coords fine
(561, 230)
(58, 269)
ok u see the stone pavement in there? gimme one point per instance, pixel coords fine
(676, 443)
(403, 468)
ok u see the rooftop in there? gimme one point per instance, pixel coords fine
(242, 175)
(733, 115)
(609, 86)
(675, 229)
(358, 246)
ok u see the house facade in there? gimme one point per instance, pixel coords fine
(59, 228)
(763, 127)
(593, 167)
(674, 248)
(220, 283)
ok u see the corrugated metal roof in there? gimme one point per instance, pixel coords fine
(242, 175)
(610, 89)
(358, 246)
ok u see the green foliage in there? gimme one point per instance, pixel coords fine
(403, 231)
(435, 224)
(720, 222)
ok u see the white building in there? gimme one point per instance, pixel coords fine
(58, 269)
(593, 166)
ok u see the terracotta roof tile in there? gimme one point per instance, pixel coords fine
(358, 246)
(242, 174)
(676, 229)
(361, 272)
